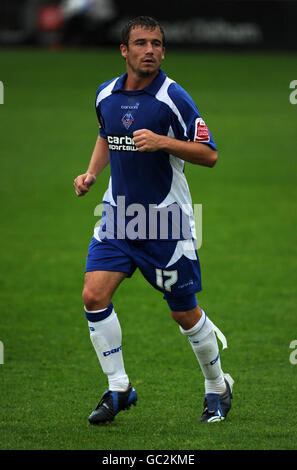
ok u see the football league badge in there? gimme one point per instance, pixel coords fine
(127, 120)
(201, 131)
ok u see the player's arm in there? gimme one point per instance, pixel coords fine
(193, 152)
(99, 160)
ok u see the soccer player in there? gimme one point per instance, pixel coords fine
(149, 127)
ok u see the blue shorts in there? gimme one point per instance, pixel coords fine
(170, 266)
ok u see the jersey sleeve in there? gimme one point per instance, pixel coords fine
(186, 121)
(101, 126)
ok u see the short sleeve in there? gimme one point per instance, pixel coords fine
(186, 121)
(101, 125)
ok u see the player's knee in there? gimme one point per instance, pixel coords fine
(184, 309)
(95, 299)
(179, 317)
(187, 319)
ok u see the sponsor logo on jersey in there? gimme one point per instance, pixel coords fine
(201, 131)
(127, 120)
(121, 143)
(130, 106)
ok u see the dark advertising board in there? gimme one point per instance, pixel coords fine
(254, 24)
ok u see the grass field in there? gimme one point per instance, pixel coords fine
(51, 379)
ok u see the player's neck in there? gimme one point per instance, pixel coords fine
(135, 82)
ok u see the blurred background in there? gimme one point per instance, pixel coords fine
(254, 24)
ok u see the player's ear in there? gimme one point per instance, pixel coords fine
(163, 53)
(124, 50)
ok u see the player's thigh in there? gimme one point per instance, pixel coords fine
(99, 287)
(107, 265)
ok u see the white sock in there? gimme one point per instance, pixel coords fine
(106, 336)
(204, 344)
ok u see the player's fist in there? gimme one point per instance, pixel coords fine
(147, 141)
(83, 183)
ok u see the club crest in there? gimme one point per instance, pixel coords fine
(127, 120)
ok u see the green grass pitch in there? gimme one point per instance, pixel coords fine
(51, 380)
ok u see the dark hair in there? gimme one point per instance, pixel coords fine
(146, 22)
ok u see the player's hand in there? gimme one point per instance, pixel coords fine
(147, 141)
(83, 183)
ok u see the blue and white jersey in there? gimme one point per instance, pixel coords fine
(152, 180)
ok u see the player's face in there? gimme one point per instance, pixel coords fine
(145, 51)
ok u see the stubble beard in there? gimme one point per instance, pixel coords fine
(142, 73)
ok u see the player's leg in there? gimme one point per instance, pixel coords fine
(104, 326)
(178, 276)
(173, 267)
(197, 327)
(99, 287)
(195, 324)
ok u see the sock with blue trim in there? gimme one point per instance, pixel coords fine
(106, 337)
(205, 346)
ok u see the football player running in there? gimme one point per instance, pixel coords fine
(149, 127)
